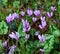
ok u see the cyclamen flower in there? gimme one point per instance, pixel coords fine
(15, 15)
(42, 18)
(34, 19)
(41, 38)
(27, 36)
(29, 12)
(42, 50)
(53, 8)
(4, 43)
(54, 21)
(9, 18)
(37, 12)
(14, 35)
(22, 13)
(37, 33)
(49, 14)
(12, 49)
(26, 26)
(43, 23)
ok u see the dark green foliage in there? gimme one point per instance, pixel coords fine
(51, 45)
(12, 26)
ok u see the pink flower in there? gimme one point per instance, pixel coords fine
(29, 12)
(15, 15)
(37, 33)
(41, 38)
(14, 35)
(49, 14)
(42, 50)
(9, 18)
(53, 8)
(37, 12)
(27, 36)
(12, 48)
(22, 13)
(43, 23)
(42, 18)
(26, 26)
(34, 19)
(4, 43)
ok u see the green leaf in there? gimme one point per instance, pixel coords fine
(1, 48)
(26, 1)
(56, 33)
(0, 43)
(32, 32)
(33, 4)
(59, 2)
(3, 28)
(28, 18)
(22, 40)
(16, 4)
(56, 52)
(58, 8)
(3, 2)
(36, 44)
(47, 4)
(2, 16)
(46, 46)
(52, 28)
(49, 44)
(20, 30)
